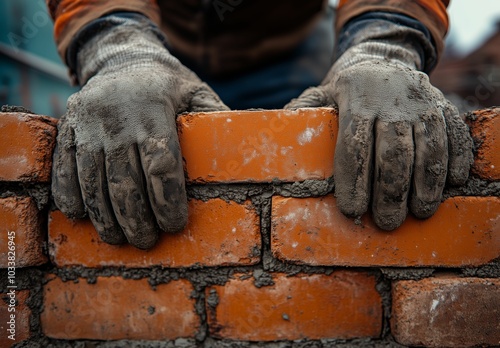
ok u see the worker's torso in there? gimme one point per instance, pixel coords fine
(224, 37)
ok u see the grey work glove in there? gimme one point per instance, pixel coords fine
(118, 156)
(399, 139)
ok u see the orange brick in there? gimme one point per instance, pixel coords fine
(447, 312)
(27, 144)
(21, 318)
(242, 146)
(464, 231)
(21, 226)
(485, 129)
(115, 308)
(342, 305)
(218, 233)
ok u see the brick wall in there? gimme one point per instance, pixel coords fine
(266, 259)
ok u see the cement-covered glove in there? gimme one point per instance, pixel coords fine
(118, 156)
(399, 139)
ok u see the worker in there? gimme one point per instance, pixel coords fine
(142, 62)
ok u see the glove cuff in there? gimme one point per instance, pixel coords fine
(112, 42)
(382, 35)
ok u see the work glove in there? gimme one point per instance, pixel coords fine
(399, 139)
(118, 156)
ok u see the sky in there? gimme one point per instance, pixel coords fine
(471, 22)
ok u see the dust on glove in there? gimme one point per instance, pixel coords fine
(118, 156)
(399, 139)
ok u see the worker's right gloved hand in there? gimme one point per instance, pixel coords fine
(399, 139)
(117, 155)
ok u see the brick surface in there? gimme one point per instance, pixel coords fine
(485, 129)
(27, 144)
(447, 312)
(21, 318)
(464, 231)
(341, 305)
(218, 233)
(115, 308)
(21, 226)
(242, 146)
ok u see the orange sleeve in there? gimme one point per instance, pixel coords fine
(431, 13)
(71, 15)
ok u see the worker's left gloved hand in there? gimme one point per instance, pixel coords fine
(399, 139)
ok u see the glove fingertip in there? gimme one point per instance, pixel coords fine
(174, 224)
(310, 98)
(422, 209)
(460, 147)
(144, 239)
(460, 161)
(65, 187)
(350, 207)
(389, 222)
(205, 100)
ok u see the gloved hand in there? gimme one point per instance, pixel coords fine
(399, 139)
(117, 155)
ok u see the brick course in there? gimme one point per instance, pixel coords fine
(485, 129)
(248, 273)
(115, 308)
(21, 318)
(27, 144)
(218, 234)
(342, 305)
(447, 312)
(464, 231)
(20, 223)
(279, 146)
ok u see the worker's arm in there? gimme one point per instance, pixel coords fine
(399, 139)
(118, 156)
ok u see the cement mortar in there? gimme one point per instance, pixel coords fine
(474, 187)
(13, 108)
(262, 278)
(490, 270)
(29, 279)
(383, 287)
(210, 343)
(406, 273)
(258, 192)
(325, 343)
(307, 188)
(39, 192)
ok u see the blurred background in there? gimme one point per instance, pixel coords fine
(32, 74)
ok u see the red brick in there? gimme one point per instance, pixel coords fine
(218, 233)
(242, 146)
(22, 315)
(20, 215)
(485, 129)
(464, 231)
(27, 144)
(341, 305)
(115, 308)
(447, 312)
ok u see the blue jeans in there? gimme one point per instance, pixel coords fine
(274, 85)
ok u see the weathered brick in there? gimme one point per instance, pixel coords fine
(218, 233)
(447, 312)
(115, 308)
(242, 146)
(341, 305)
(464, 231)
(27, 144)
(485, 129)
(21, 318)
(21, 226)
